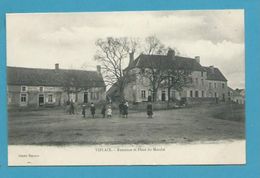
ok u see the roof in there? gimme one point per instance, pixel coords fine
(214, 73)
(112, 90)
(52, 77)
(165, 62)
(236, 92)
(176, 62)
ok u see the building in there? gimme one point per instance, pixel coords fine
(205, 82)
(53, 87)
(236, 96)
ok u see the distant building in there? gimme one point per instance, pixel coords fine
(206, 82)
(237, 95)
(52, 87)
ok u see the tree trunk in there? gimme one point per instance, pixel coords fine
(169, 97)
(154, 95)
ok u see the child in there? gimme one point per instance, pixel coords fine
(109, 112)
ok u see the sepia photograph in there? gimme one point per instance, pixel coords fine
(126, 88)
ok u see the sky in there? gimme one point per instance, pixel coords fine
(41, 40)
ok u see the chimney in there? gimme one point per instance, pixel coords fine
(171, 53)
(131, 58)
(197, 58)
(211, 68)
(99, 69)
(57, 66)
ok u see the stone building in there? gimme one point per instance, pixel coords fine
(205, 82)
(52, 87)
(236, 96)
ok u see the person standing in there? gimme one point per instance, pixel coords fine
(71, 107)
(149, 110)
(103, 111)
(125, 109)
(109, 112)
(92, 110)
(121, 108)
(84, 110)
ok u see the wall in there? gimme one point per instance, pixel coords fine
(197, 101)
(59, 97)
(199, 84)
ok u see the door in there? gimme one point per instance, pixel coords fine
(196, 94)
(163, 96)
(41, 99)
(85, 97)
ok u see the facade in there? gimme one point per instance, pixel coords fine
(53, 87)
(205, 82)
(236, 96)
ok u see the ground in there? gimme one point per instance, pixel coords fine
(193, 124)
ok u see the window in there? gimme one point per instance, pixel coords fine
(201, 73)
(9, 99)
(41, 89)
(210, 85)
(196, 94)
(50, 98)
(215, 85)
(23, 88)
(191, 94)
(202, 93)
(143, 94)
(23, 98)
(202, 81)
(216, 95)
(94, 96)
(223, 97)
(223, 85)
(191, 81)
(197, 81)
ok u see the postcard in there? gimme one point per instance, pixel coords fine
(126, 88)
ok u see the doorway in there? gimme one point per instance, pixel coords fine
(85, 97)
(163, 96)
(41, 99)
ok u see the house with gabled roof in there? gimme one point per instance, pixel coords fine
(206, 82)
(53, 87)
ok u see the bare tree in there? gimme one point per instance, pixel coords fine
(152, 75)
(72, 83)
(112, 53)
(153, 46)
(153, 71)
(176, 79)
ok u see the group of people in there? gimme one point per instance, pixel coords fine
(106, 110)
(123, 109)
(70, 107)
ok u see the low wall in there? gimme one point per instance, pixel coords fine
(156, 105)
(193, 101)
(160, 105)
